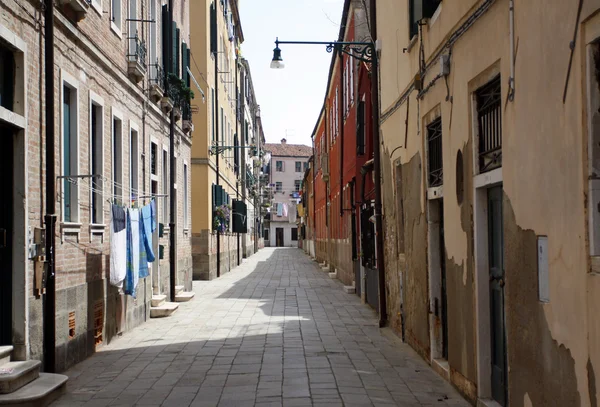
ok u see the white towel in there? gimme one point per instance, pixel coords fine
(118, 255)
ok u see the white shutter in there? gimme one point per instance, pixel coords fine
(351, 80)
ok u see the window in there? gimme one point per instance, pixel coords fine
(133, 163)
(279, 167)
(360, 128)
(298, 166)
(294, 234)
(337, 111)
(7, 77)
(297, 185)
(489, 119)
(185, 196)
(115, 12)
(153, 61)
(222, 129)
(117, 157)
(165, 186)
(419, 10)
(278, 186)
(266, 234)
(132, 30)
(212, 117)
(351, 85)
(70, 153)
(153, 159)
(346, 87)
(305, 165)
(434, 153)
(96, 160)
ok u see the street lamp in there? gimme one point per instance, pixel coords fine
(365, 52)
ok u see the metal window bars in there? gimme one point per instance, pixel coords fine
(489, 119)
(157, 75)
(434, 149)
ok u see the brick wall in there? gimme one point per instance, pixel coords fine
(95, 58)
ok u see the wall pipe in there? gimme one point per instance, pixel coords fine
(511, 80)
(173, 200)
(49, 300)
(377, 165)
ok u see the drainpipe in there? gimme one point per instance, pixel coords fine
(341, 109)
(49, 343)
(377, 165)
(239, 150)
(511, 80)
(242, 96)
(217, 144)
(172, 201)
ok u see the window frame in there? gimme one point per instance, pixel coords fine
(294, 231)
(185, 196)
(116, 17)
(278, 186)
(73, 85)
(116, 163)
(279, 168)
(298, 165)
(134, 162)
(96, 208)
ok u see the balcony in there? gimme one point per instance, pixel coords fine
(79, 7)
(136, 67)
(157, 82)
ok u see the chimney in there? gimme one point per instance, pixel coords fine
(283, 141)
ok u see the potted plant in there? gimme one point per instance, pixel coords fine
(221, 218)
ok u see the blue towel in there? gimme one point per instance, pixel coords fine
(153, 215)
(129, 285)
(146, 232)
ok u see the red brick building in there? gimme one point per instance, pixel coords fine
(343, 146)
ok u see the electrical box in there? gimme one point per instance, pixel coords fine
(445, 65)
(423, 9)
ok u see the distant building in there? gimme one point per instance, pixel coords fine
(286, 171)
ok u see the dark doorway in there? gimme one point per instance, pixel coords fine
(496, 263)
(369, 260)
(7, 135)
(443, 281)
(279, 237)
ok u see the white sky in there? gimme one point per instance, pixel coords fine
(290, 99)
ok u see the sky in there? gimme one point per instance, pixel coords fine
(290, 99)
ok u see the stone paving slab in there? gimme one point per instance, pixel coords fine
(275, 331)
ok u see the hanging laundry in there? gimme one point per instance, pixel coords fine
(285, 210)
(133, 251)
(292, 214)
(153, 215)
(146, 240)
(279, 209)
(118, 246)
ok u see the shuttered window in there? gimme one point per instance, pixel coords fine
(165, 36)
(214, 38)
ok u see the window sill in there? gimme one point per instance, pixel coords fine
(70, 228)
(97, 7)
(116, 30)
(412, 43)
(97, 229)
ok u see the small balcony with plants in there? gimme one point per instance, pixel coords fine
(136, 59)
(181, 96)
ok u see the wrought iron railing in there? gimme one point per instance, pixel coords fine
(137, 51)
(434, 146)
(158, 75)
(489, 118)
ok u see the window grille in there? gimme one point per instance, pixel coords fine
(489, 120)
(435, 162)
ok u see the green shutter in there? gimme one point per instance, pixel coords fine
(184, 64)
(165, 37)
(188, 57)
(177, 48)
(174, 48)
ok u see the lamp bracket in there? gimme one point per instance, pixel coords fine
(363, 51)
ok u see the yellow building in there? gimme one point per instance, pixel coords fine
(216, 36)
(490, 139)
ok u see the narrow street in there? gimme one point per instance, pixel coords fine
(274, 331)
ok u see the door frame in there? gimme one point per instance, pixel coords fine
(22, 289)
(482, 183)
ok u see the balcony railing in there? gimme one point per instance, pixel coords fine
(157, 75)
(137, 49)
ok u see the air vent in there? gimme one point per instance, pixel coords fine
(71, 324)
(98, 322)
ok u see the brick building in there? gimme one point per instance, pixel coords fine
(112, 120)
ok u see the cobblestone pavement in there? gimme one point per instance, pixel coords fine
(275, 331)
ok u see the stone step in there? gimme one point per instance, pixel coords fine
(158, 300)
(14, 375)
(164, 310)
(349, 289)
(333, 275)
(39, 393)
(184, 296)
(178, 289)
(5, 352)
